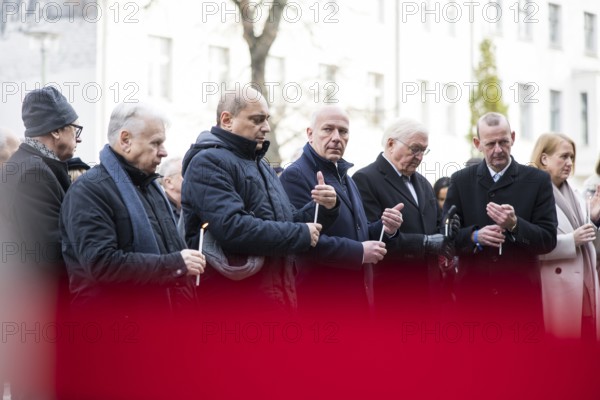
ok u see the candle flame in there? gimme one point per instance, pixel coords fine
(204, 225)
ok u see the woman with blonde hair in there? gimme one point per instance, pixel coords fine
(570, 293)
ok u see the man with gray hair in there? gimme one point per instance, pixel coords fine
(121, 245)
(9, 143)
(402, 279)
(171, 179)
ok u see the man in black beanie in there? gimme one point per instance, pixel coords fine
(34, 182)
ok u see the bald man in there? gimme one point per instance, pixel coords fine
(229, 185)
(336, 276)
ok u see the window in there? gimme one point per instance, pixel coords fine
(375, 97)
(160, 84)
(589, 27)
(328, 73)
(585, 133)
(554, 24)
(424, 104)
(525, 20)
(555, 101)
(218, 68)
(380, 11)
(451, 95)
(525, 111)
(494, 16)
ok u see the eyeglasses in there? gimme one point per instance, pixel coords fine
(78, 129)
(415, 150)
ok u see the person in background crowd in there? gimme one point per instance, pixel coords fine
(591, 183)
(9, 143)
(76, 168)
(171, 180)
(440, 188)
(570, 292)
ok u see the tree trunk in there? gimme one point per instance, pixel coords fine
(259, 47)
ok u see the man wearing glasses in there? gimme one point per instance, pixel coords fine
(34, 182)
(402, 279)
(36, 179)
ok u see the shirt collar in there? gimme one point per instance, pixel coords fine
(492, 172)
(409, 177)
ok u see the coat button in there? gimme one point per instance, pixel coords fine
(179, 272)
(558, 271)
(492, 194)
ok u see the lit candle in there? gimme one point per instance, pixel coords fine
(200, 248)
(316, 212)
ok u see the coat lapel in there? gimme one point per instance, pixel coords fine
(483, 176)
(392, 177)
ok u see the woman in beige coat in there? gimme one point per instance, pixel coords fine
(570, 293)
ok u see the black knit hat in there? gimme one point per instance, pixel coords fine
(46, 110)
(76, 163)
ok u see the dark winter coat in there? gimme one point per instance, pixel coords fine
(229, 184)
(103, 267)
(33, 188)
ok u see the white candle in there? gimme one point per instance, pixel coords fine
(382, 232)
(446, 228)
(500, 250)
(588, 210)
(200, 248)
(316, 212)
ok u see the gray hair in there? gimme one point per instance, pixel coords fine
(169, 167)
(317, 113)
(402, 128)
(130, 117)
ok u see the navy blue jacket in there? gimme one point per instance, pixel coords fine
(332, 273)
(228, 184)
(340, 245)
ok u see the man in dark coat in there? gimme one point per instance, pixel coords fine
(336, 276)
(34, 182)
(509, 218)
(120, 240)
(228, 184)
(403, 279)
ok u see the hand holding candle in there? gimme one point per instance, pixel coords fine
(391, 219)
(200, 248)
(323, 194)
